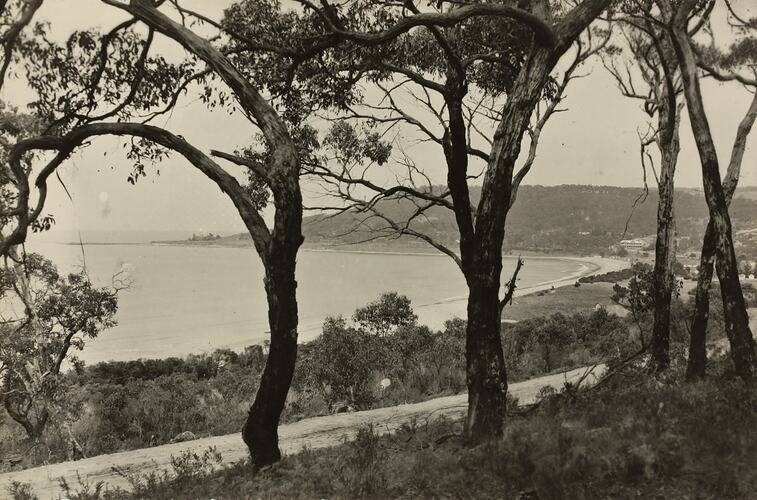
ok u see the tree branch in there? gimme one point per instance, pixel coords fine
(66, 144)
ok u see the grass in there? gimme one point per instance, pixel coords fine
(566, 300)
(634, 437)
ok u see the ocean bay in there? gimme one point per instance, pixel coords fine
(193, 299)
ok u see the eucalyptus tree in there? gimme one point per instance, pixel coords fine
(735, 65)
(645, 68)
(260, 58)
(678, 16)
(504, 74)
(60, 312)
(15, 17)
(94, 84)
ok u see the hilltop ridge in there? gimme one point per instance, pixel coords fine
(574, 219)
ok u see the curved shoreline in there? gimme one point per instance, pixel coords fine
(591, 266)
(595, 265)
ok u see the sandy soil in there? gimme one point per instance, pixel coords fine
(594, 265)
(315, 432)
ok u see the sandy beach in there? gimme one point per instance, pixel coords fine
(456, 306)
(595, 265)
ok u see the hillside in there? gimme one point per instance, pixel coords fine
(313, 433)
(567, 219)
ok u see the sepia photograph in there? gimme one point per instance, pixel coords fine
(378, 249)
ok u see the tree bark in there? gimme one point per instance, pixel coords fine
(742, 342)
(482, 258)
(697, 362)
(663, 279)
(482, 237)
(278, 253)
(665, 247)
(485, 361)
(260, 430)
(34, 429)
(277, 250)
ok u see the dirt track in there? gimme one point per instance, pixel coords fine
(315, 432)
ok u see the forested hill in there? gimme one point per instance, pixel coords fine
(570, 218)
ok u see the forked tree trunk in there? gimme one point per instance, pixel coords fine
(485, 361)
(482, 235)
(260, 432)
(481, 245)
(482, 258)
(697, 364)
(34, 427)
(734, 306)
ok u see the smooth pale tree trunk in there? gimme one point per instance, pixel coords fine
(20, 404)
(734, 306)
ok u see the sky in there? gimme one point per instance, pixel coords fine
(594, 142)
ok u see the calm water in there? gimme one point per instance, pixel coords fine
(191, 299)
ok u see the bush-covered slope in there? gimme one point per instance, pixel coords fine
(573, 219)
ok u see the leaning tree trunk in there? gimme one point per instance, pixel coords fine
(697, 362)
(734, 306)
(698, 345)
(260, 431)
(485, 361)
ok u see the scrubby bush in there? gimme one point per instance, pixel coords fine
(560, 342)
(344, 366)
(617, 276)
(632, 437)
(149, 402)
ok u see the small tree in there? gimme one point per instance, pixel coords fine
(60, 314)
(389, 312)
(340, 363)
(659, 89)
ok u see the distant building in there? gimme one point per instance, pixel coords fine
(634, 243)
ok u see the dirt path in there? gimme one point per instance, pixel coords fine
(317, 432)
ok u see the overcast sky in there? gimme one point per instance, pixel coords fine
(595, 142)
